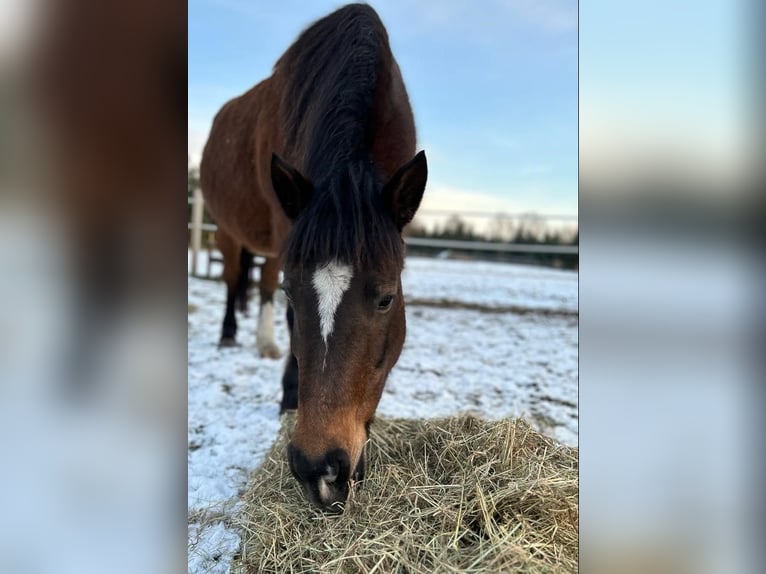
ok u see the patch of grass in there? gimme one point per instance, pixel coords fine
(447, 495)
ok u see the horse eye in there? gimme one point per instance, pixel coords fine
(385, 303)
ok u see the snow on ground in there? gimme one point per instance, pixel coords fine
(500, 285)
(491, 339)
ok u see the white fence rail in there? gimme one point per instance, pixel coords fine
(197, 226)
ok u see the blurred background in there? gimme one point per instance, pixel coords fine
(92, 280)
(671, 286)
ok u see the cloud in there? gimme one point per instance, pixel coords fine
(443, 198)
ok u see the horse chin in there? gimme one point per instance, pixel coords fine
(328, 496)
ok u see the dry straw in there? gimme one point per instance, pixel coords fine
(446, 495)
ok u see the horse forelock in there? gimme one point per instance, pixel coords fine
(346, 222)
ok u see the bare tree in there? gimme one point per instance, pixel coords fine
(501, 228)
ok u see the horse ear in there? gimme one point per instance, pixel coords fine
(402, 194)
(293, 190)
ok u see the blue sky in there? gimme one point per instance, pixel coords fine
(493, 85)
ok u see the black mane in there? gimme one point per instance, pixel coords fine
(332, 77)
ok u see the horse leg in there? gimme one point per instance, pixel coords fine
(231, 275)
(264, 336)
(290, 376)
(243, 284)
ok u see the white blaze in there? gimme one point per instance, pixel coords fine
(330, 282)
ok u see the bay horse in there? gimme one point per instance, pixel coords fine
(315, 168)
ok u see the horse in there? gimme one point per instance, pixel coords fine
(315, 169)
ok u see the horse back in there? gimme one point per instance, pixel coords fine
(235, 170)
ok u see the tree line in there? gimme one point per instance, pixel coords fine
(529, 229)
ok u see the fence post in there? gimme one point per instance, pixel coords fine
(198, 208)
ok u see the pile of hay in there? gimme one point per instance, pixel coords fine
(447, 495)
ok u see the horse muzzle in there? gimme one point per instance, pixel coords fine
(325, 480)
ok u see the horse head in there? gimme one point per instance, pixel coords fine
(342, 278)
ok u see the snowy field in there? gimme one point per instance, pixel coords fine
(491, 339)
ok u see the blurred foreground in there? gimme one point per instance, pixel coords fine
(92, 362)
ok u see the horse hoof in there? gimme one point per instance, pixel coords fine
(269, 351)
(227, 342)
